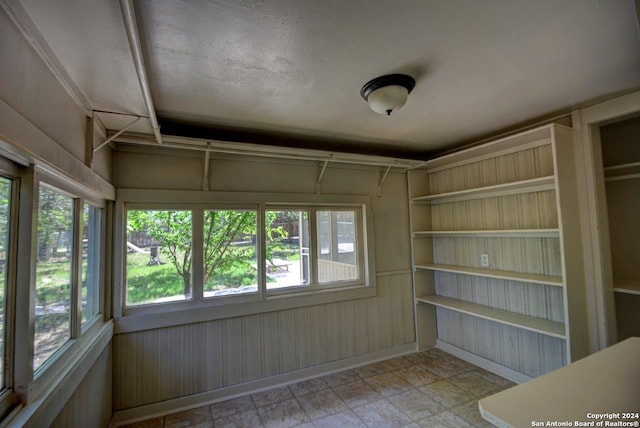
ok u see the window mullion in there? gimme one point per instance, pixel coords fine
(76, 268)
(197, 245)
(11, 267)
(261, 262)
(313, 246)
(24, 327)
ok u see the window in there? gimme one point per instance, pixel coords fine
(337, 246)
(5, 205)
(91, 262)
(53, 274)
(68, 271)
(290, 241)
(159, 256)
(230, 252)
(287, 259)
(239, 253)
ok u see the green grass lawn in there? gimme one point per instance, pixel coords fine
(149, 283)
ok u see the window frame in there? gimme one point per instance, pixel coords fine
(315, 284)
(38, 379)
(9, 397)
(135, 318)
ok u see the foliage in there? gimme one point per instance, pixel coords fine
(172, 230)
(230, 258)
(55, 217)
(224, 251)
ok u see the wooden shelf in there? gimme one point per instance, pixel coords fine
(493, 273)
(627, 286)
(532, 138)
(515, 187)
(627, 171)
(538, 325)
(506, 233)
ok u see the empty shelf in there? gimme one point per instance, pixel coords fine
(524, 186)
(622, 172)
(506, 233)
(493, 273)
(538, 325)
(628, 286)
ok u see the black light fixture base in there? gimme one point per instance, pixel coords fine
(387, 80)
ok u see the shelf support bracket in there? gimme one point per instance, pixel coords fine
(116, 135)
(324, 167)
(205, 173)
(382, 178)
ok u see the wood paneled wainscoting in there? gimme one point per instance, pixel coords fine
(166, 369)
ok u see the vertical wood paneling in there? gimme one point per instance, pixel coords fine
(194, 367)
(90, 404)
(287, 339)
(333, 329)
(319, 335)
(361, 328)
(250, 344)
(303, 337)
(522, 165)
(347, 328)
(506, 345)
(166, 363)
(270, 361)
(532, 255)
(212, 352)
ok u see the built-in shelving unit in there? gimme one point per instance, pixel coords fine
(621, 162)
(491, 226)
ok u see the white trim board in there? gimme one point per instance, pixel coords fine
(123, 417)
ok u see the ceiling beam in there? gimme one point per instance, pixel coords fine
(131, 26)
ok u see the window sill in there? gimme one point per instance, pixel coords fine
(212, 309)
(50, 392)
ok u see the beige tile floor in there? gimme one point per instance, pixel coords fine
(426, 389)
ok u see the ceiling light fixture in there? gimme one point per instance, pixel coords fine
(387, 93)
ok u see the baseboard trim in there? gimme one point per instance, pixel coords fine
(162, 408)
(482, 362)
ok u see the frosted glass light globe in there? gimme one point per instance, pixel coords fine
(388, 99)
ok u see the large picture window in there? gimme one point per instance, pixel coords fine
(222, 255)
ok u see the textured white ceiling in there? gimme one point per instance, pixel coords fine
(296, 67)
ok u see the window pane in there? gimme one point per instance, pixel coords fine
(158, 256)
(337, 249)
(5, 201)
(53, 274)
(91, 261)
(230, 252)
(287, 246)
